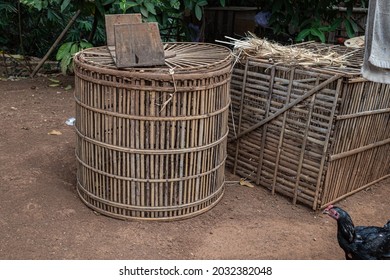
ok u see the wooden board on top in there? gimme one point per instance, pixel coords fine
(111, 20)
(138, 44)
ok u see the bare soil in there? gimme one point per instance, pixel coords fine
(42, 217)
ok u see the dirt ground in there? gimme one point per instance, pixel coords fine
(42, 217)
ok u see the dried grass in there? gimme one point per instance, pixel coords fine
(293, 55)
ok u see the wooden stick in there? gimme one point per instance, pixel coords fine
(281, 137)
(264, 131)
(359, 150)
(57, 41)
(325, 148)
(354, 191)
(303, 148)
(363, 113)
(240, 113)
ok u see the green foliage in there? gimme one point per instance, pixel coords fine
(311, 19)
(173, 16)
(67, 51)
(7, 7)
(317, 31)
(37, 26)
(41, 21)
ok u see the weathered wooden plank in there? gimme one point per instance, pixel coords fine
(138, 45)
(112, 20)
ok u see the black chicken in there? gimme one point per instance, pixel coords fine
(361, 242)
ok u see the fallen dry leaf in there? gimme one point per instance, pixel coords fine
(55, 132)
(245, 183)
(54, 80)
(68, 87)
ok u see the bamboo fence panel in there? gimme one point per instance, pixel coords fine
(151, 142)
(313, 134)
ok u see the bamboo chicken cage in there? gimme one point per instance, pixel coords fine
(151, 142)
(315, 134)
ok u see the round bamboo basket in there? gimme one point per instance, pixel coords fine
(151, 142)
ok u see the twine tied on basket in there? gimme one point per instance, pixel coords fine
(172, 73)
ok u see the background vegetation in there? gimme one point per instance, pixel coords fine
(29, 27)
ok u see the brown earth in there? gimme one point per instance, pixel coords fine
(42, 217)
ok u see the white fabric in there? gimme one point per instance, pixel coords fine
(376, 64)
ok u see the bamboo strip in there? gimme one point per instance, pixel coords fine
(363, 113)
(281, 138)
(359, 150)
(328, 138)
(354, 191)
(303, 148)
(264, 130)
(241, 106)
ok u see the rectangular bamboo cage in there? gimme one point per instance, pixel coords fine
(313, 134)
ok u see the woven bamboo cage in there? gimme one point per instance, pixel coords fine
(313, 134)
(151, 142)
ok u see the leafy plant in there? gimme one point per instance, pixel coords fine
(317, 31)
(8, 15)
(7, 7)
(173, 16)
(311, 19)
(26, 30)
(67, 51)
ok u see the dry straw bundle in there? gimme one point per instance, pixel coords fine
(293, 55)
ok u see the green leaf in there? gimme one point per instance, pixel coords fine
(318, 33)
(150, 7)
(144, 12)
(324, 28)
(65, 63)
(8, 7)
(302, 35)
(336, 23)
(355, 27)
(74, 49)
(202, 3)
(222, 2)
(85, 45)
(188, 4)
(99, 7)
(38, 5)
(64, 5)
(175, 4)
(198, 12)
(64, 50)
(125, 5)
(349, 28)
(53, 16)
(151, 18)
